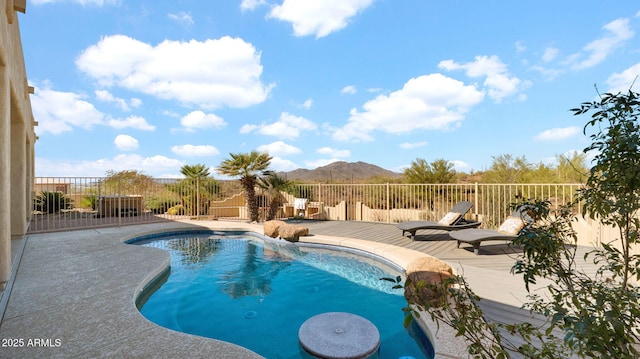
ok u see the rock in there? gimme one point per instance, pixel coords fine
(429, 264)
(292, 232)
(271, 228)
(424, 281)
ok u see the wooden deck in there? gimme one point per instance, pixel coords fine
(488, 274)
(493, 255)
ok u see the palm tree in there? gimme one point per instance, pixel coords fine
(274, 184)
(196, 189)
(247, 166)
(198, 171)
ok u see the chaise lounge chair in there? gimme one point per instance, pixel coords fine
(507, 231)
(452, 221)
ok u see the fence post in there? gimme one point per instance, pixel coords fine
(388, 205)
(119, 205)
(475, 206)
(197, 198)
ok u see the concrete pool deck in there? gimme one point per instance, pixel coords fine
(73, 294)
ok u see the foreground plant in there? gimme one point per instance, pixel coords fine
(590, 315)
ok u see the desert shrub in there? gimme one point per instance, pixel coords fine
(177, 210)
(90, 201)
(51, 202)
(160, 205)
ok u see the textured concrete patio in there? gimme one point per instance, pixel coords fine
(73, 293)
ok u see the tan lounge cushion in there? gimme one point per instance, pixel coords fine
(450, 218)
(512, 225)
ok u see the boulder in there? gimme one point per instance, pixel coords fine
(424, 281)
(292, 232)
(271, 228)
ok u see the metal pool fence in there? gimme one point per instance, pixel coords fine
(62, 203)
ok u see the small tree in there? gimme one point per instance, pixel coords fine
(507, 169)
(439, 171)
(598, 315)
(274, 185)
(195, 190)
(572, 168)
(247, 166)
(126, 182)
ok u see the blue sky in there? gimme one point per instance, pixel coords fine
(154, 85)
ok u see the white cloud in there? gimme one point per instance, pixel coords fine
(182, 18)
(550, 74)
(460, 166)
(153, 166)
(550, 54)
(349, 90)
(332, 152)
(289, 126)
(498, 81)
(135, 102)
(106, 96)
(81, 2)
(125, 143)
(200, 120)
(282, 165)
(136, 122)
(318, 17)
(429, 102)
(622, 81)
(556, 134)
(248, 5)
(248, 128)
(520, 47)
(58, 112)
(193, 150)
(307, 104)
(408, 146)
(617, 33)
(279, 148)
(211, 73)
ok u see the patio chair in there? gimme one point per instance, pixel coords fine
(508, 230)
(452, 221)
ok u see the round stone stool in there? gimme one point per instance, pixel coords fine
(339, 335)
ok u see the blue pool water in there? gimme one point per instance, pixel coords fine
(257, 292)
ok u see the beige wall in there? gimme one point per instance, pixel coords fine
(17, 137)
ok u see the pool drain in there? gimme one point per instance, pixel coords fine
(339, 335)
(250, 314)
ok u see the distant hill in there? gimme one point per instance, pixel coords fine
(339, 172)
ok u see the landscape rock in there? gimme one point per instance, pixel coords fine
(271, 228)
(424, 281)
(292, 232)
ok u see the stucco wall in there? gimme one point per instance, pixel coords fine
(17, 136)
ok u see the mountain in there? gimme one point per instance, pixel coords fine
(339, 172)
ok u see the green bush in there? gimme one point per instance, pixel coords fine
(90, 201)
(176, 210)
(160, 205)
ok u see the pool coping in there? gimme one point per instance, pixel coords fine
(73, 294)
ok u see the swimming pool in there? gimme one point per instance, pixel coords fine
(256, 292)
